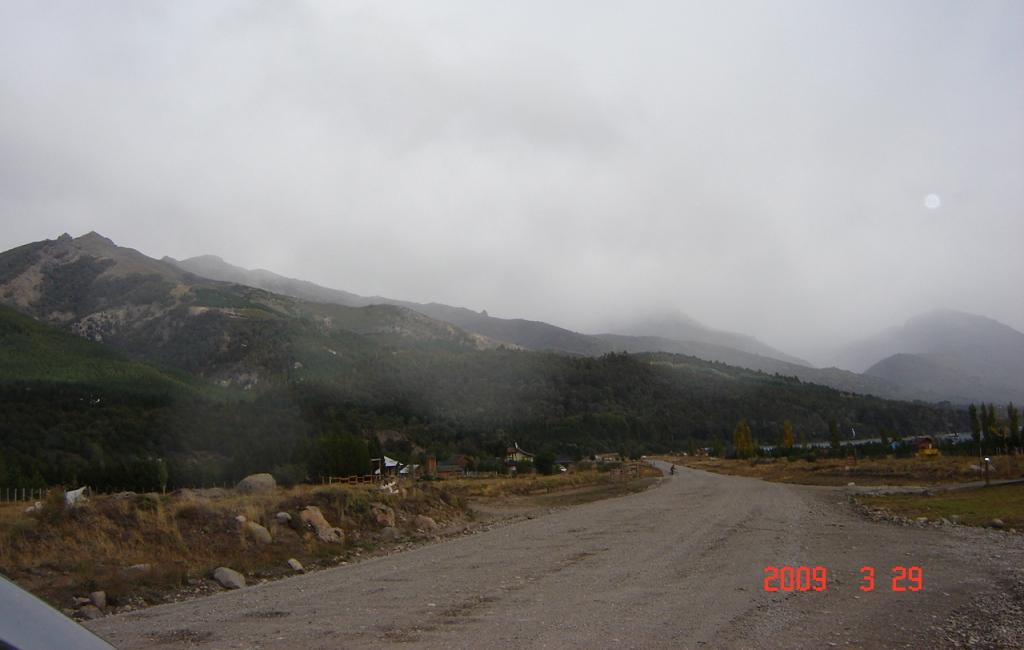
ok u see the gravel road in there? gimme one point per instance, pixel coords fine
(680, 565)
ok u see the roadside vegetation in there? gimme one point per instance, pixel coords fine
(591, 475)
(811, 470)
(999, 506)
(143, 549)
(175, 541)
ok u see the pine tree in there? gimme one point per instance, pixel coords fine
(991, 425)
(1013, 421)
(716, 446)
(972, 415)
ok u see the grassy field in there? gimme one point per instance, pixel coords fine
(883, 471)
(974, 506)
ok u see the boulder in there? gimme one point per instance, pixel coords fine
(296, 566)
(229, 578)
(258, 533)
(997, 523)
(283, 518)
(211, 493)
(90, 612)
(314, 519)
(257, 484)
(383, 515)
(99, 599)
(390, 534)
(423, 522)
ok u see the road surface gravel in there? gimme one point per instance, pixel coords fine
(678, 566)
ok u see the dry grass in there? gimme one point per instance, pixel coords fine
(535, 484)
(883, 471)
(58, 552)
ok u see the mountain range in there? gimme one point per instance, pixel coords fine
(940, 356)
(945, 355)
(205, 315)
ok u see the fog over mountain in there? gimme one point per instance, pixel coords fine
(806, 173)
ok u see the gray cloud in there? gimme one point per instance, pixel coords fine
(761, 167)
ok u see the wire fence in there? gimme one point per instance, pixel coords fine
(15, 495)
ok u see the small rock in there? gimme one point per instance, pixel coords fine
(955, 519)
(997, 524)
(240, 519)
(99, 599)
(257, 532)
(383, 515)
(851, 483)
(922, 520)
(257, 484)
(78, 601)
(229, 578)
(90, 612)
(312, 517)
(423, 522)
(945, 522)
(283, 518)
(390, 534)
(296, 566)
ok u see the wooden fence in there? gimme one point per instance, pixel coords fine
(366, 478)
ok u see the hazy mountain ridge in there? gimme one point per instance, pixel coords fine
(534, 335)
(159, 312)
(680, 327)
(948, 355)
(205, 315)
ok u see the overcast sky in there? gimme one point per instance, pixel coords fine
(805, 172)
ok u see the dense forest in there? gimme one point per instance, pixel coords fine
(72, 411)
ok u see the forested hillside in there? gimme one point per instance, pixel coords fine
(85, 414)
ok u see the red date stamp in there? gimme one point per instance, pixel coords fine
(806, 578)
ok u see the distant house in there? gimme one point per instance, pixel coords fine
(925, 446)
(390, 466)
(409, 470)
(608, 458)
(516, 454)
(453, 467)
